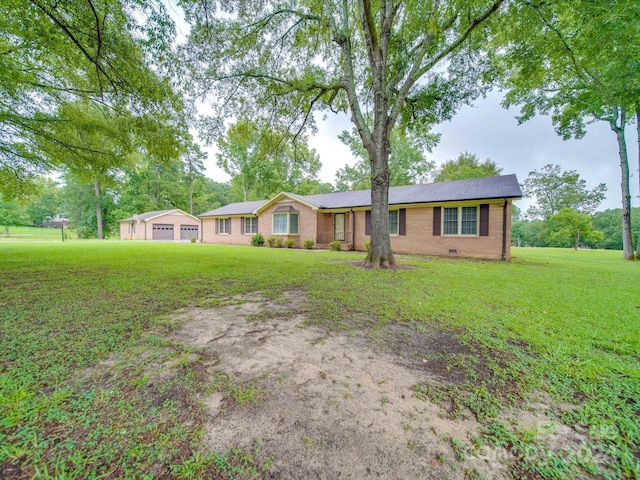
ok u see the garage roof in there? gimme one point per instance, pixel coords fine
(143, 217)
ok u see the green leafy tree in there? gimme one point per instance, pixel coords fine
(608, 222)
(577, 61)
(517, 226)
(529, 233)
(554, 190)
(193, 167)
(11, 213)
(261, 162)
(574, 226)
(313, 187)
(78, 199)
(408, 164)
(55, 53)
(209, 195)
(151, 184)
(147, 186)
(45, 203)
(101, 143)
(404, 62)
(242, 155)
(466, 166)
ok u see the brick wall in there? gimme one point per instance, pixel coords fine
(236, 237)
(307, 222)
(419, 236)
(307, 227)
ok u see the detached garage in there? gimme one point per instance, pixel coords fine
(163, 225)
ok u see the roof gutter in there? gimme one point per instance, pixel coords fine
(353, 229)
(504, 230)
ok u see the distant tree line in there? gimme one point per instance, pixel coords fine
(553, 233)
(563, 213)
(258, 164)
(142, 188)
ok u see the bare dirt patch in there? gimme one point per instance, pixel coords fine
(329, 405)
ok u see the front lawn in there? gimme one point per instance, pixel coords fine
(24, 233)
(81, 323)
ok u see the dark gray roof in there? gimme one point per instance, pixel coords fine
(241, 208)
(505, 186)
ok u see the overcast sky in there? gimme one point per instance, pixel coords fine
(489, 131)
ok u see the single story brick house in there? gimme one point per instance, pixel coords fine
(160, 225)
(469, 218)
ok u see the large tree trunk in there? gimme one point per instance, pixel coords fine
(378, 145)
(78, 214)
(96, 189)
(191, 196)
(380, 254)
(627, 243)
(156, 194)
(638, 134)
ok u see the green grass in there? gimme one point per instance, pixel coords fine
(83, 333)
(26, 233)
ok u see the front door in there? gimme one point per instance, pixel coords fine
(338, 226)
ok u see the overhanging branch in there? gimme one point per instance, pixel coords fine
(419, 71)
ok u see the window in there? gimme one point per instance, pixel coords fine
(393, 222)
(132, 228)
(280, 222)
(460, 221)
(469, 224)
(224, 226)
(293, 223)
(450, 223)
(250, 225)
(397, 222)
(285, 223)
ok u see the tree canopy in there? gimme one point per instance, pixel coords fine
(577, 61)
(466, 166)
(554, 190)
(57, 53)
(412, 63)
(408, 163)
(11, 213)
(572, 227)
(262, 162)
